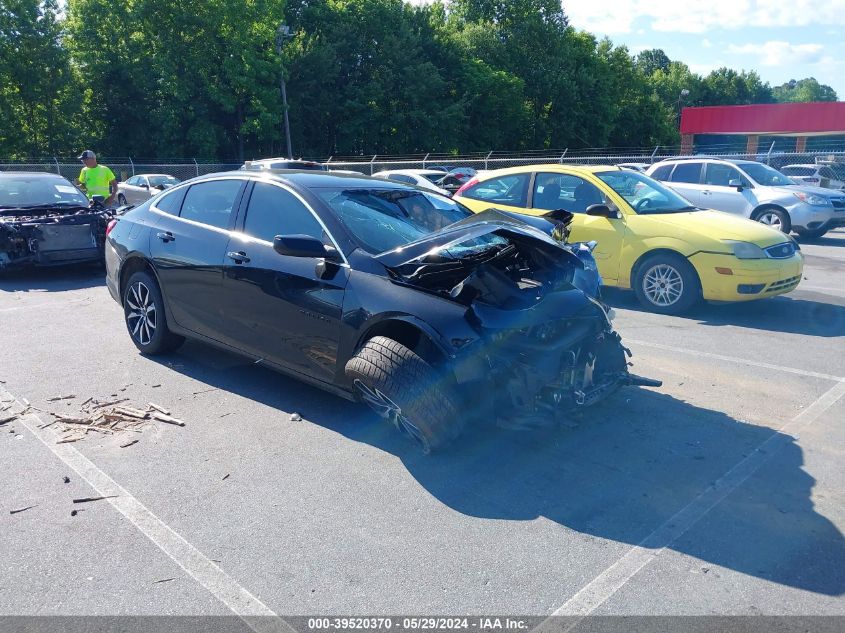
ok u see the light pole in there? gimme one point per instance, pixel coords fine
(283, 33)
(684, 93)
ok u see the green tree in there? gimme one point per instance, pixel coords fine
(803, 90)
(652, 60)
(40, 95)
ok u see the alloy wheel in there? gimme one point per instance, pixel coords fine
(772, 219)
(141, 313)
(663, 285)
(389, 410)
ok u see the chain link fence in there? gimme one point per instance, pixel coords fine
(125, 167)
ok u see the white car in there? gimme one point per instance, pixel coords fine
(142, 187)
(818, 175)
(424, 178)
(753, 190)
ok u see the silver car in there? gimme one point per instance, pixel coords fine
(142, 187)
(755, 191)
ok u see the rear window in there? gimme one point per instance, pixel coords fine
(798, 171)
(662, 172)
(687, 172)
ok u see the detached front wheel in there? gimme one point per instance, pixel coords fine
(667, 284)
(143, 309)
(407, 391)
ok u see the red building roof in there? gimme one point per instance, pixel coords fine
(791, 119)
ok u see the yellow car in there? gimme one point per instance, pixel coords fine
(648, 237)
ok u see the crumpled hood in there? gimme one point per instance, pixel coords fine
(722, 226)
(484, 223)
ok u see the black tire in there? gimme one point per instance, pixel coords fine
(774, 217)
(680, 289)
(121, 199)
(143, 310)
(810, 234)
(407, 391)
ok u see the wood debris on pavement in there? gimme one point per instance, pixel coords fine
(110, 417)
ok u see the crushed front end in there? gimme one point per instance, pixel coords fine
(546, 344)
(52, 236)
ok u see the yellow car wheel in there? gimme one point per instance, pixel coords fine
(667, 284)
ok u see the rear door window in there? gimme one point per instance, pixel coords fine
(509, 190)
(211, 202)
(687, 172)
(275, 211)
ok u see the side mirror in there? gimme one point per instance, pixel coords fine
(300, 246)
(603, 211)
(736, 182)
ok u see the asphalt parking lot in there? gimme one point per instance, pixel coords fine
(722, 492)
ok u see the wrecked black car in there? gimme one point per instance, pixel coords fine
(46, 221)
(375, 291)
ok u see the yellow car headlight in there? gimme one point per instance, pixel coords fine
(746, 250)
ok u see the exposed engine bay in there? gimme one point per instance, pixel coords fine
(548, 346)
(52, 235)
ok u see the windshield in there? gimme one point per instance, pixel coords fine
(765, 175)
(644, 194)
(29, 191)
(383, 219)
(158, 181)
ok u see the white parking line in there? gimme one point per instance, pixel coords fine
(734, 359)
(612, 579)
(242, 603)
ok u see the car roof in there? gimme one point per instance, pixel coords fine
(309, 178)
(37, 174)
(166, 175)
(570, 169)
(809, 165)
(410, 172)
(733, 161)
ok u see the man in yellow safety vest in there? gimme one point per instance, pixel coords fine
(96, 180)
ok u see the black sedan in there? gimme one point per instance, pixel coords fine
(375, 291)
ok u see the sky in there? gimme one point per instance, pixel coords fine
(780, 39)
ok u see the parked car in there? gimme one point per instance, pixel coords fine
(817, 175)
(649, 238)
(373, 290)
(47, 221)
(456, 179)
(141, 187)
(756, 191)
(424, 178)
(283, 163)
(640, 167)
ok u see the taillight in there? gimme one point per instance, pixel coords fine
(469, 183)
(111, 225)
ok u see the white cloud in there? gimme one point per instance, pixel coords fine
(706, 43)
(619, 16)
(777, 53)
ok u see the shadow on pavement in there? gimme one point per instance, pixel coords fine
(630, 465)
(787, 314)
(53, 279)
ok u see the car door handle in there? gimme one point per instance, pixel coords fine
(706, 192)
(165, 236)
(238, 256)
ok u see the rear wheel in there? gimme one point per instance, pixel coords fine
(143, 309)
(406, 391)
(775, 218)
(667, 284)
